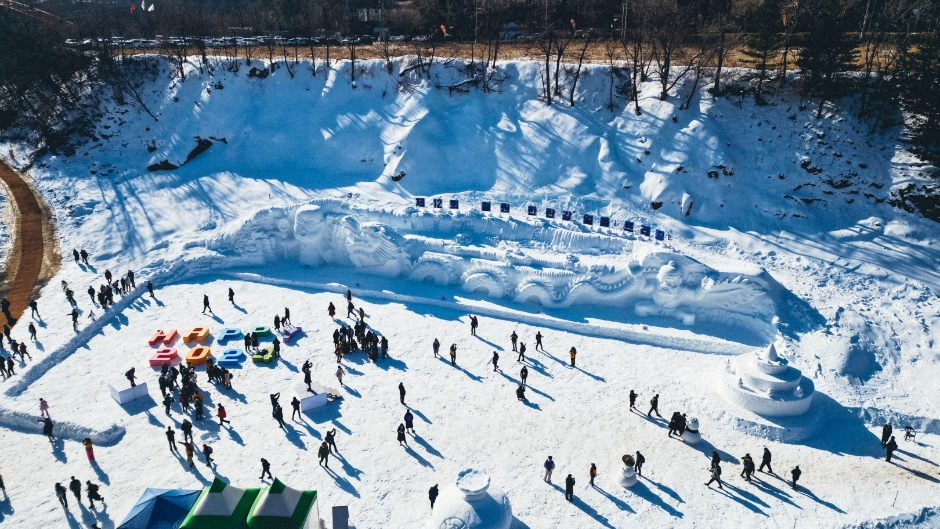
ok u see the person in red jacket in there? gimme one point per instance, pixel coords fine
(221, 415)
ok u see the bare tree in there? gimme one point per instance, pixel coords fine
(668, 31)
(545, 44)
(577, 72)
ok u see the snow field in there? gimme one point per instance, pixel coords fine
(465, 416)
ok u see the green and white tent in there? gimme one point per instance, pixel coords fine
(281, 507)
(220, 506)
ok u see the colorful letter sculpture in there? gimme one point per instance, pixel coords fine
(162, 337)
(311, 399)
(290, 332)
(261, 331)
(230, 334)
(123, 396)
(165, 354)
(231, 358)
(198, 355)
(264, 356)
(196, 334)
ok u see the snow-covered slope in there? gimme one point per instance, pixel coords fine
(779, 231)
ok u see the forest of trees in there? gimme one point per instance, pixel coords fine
(886, 51)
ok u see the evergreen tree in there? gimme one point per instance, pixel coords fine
(764, 40)
(921, 93)
(827, 49)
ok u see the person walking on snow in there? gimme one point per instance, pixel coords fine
(432, 495)
(339, 375)
(495, 361)
(231, 296)
(549, 466)
(221, 415)
(150, 288)
(91, 490)
(330, 438)
(207, 453)
(521, 357)
(277, 322)
(401, 435)
(32, 331)
(189, 450)
(520, 393)
(765, 461)
(569, 488)
(716, 459)
(187, 428)
(171, 438)
(513, 337)
(331, 310)
(47, 428)
(130, 376)
(891, 446)
(60, 492)
(76, 255)
(716, 476)
(350, 309)
(265, 469)
(279, 416)
(654, 406)
(538, 342)
(886, 434)
(633, 396)
(35, 309)
(85, 255)
(89, 449)
(524, 374)
(453, 355)
(76, 487)
(795, 475)
(168, 401)
(295, 405)
(473, 325)
(286, 319)
(401, 392)
(410, 422)
(639, 463)
(437, 347)
(74, 315)
(43, 407)
(573, 353)
(593, 473)
(324, 454)
(205, 304)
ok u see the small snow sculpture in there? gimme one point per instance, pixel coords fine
(628, 477)
(691, 435)
(765, 383)
(472, 503)
(728, 367)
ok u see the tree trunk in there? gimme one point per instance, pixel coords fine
(716, 90)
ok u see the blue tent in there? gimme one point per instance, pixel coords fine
(160, 509)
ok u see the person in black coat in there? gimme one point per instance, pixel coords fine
(432, 495)
(891, 446)
(886, 434)
(569, 487)
(409, 421)
(524, 374)
(715, 458)
(520, 393)
(401, 392)
(495, 361)
(324, 454)
(765, 460)
(401, 435)
(795, 474)
(47, 428)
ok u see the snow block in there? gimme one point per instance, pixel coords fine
(170, 356)
(198, 355)
(230, 334)
(231, 358)
(290, 332)
(311, 399)
(123, 396)
(162, 337)
(261, 331)
(196, 334)
(264, 357)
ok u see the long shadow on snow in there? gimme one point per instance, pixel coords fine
(588, 510)
(427, 446)
(843, 433)
(622, 505)
(918, 473)
(724, 492)
(517, 382)
(418, 457)
(457, 366)
(809, 494)
(641, 490)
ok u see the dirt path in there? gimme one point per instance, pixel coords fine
(34, 256)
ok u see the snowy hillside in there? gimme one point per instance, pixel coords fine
(777, 229)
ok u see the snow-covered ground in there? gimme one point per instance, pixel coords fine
(790, 240)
